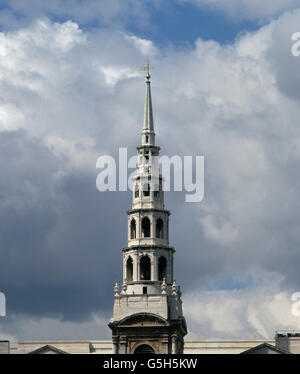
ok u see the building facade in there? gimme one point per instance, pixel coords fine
(147, 313)
(285, 342)
(106, 346)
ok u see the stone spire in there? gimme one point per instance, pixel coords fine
(148, 135)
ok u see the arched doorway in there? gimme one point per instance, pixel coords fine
(129, 269)
(162, 268)
(146, 189)
(144, 349)
(136, 191)
(145, 268)
(146, 227)
(133, 229)
(159, 228)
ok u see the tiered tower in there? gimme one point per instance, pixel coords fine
(147, 316)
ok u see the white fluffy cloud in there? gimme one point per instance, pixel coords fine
(44, 69)
(255, 313)
(248, 9)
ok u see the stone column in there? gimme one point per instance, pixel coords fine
(115, 345)
(138, 226)
(135, 265)
(154, 266)
(165, 345)
(174, 344)
(123, 345)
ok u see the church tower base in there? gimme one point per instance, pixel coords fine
(148, 333)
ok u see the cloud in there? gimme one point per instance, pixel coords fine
(146, 47)
(18, 13)
(69, 95)
(254, 313)
(248, 9)
(54, 329)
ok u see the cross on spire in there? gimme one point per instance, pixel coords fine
(147, 69)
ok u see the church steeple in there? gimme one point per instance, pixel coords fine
(148, 311)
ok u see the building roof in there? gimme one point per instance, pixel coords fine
(48, 349)
(265, 346)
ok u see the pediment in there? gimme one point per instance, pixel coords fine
(48, 349)
(265, 348)
(143, 319)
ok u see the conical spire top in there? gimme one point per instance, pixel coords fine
(148, 124)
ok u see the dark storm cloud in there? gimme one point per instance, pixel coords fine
(59, 236)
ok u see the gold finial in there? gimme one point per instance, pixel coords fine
(147, 69)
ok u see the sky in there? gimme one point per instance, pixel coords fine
(224, 85)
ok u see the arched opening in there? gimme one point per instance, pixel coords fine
(129, 269)
(162, 268)
(159, 228)
(144, 349)
(156, 190)
(146, 189)
(146, 227)
(145, 268)
(136, 191)
(133, 229)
